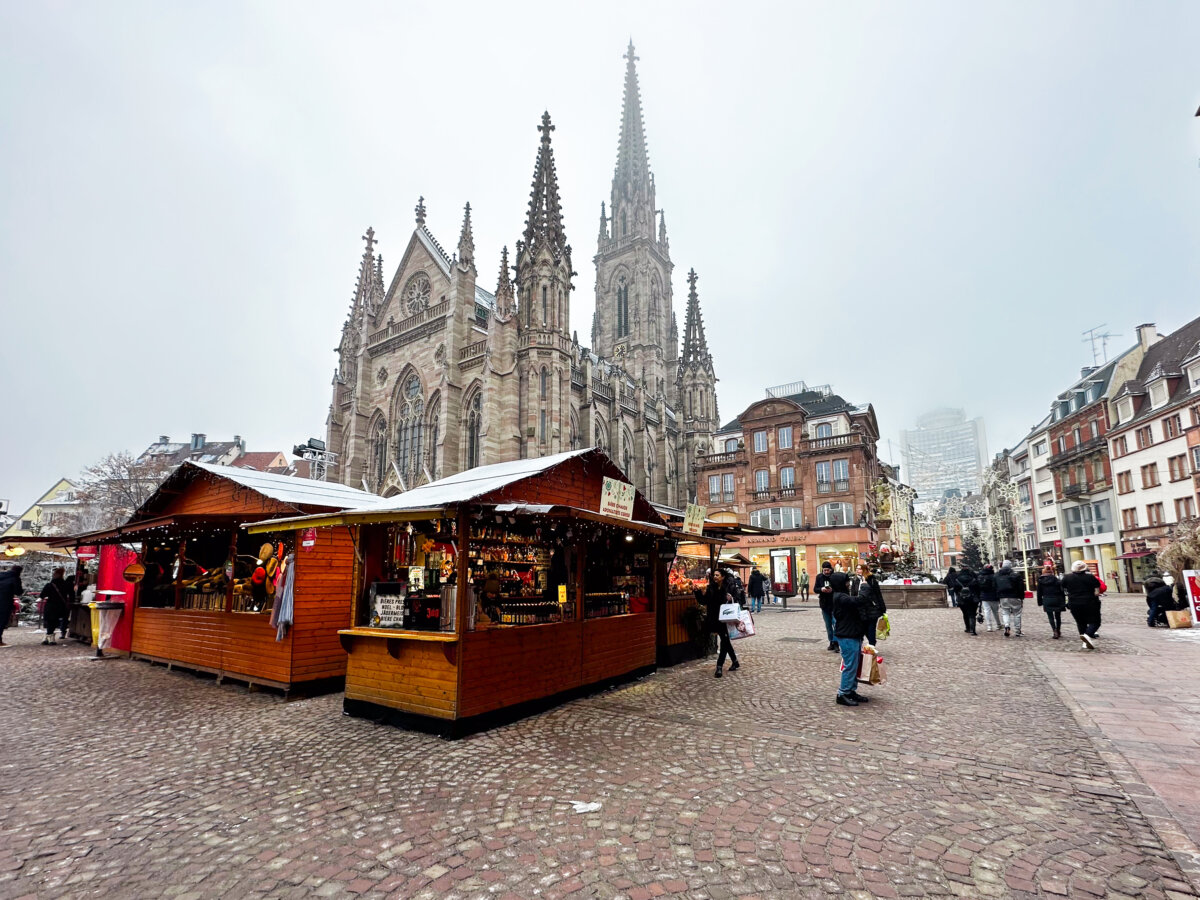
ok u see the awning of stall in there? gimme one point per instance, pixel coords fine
(554, 511)
(473, 486)
(163, 525)
(1136, 554)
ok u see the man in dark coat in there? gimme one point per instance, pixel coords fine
(1158, 601)
(756, 589)
(951, 583)
(849, 626)
(1010, 591)
(968, 597)
(716, 595)
(1051, 598)
(985, 581)
(10, 589)
(1083, 600)
(56, 603)
(824, 591)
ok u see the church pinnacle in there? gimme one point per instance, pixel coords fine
(504, 289)
(695, 345)
(466, 242)
(544, 222)
(633, 162)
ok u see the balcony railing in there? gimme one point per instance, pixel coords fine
(1074, 490)
(398, 328)
(472, 350)
(1057, 458)
(721, 459)
(837, 442)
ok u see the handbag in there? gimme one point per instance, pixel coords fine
(1179, 618)
(743, 627)
(729, 612)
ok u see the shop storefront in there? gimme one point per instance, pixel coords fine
(203, 594)
(500, 591)
(785, 555)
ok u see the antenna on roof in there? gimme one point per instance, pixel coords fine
(1092, 335)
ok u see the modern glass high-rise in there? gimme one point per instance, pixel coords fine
(945, 452)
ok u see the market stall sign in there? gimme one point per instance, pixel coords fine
(693, 519)
(616, 499)
(1191, 584)
(90, 552)
(389, 610)
(308, 538)
(134, 572)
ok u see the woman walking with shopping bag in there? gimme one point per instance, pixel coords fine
(713, 599)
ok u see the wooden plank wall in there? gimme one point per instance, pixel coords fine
(238, 643)
(324, 600)
(676, 633)
(219, 496)
(616, 646)
(422, 678)
(506, 666)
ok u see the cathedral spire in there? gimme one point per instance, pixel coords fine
(544, 222)
(504, 290)
(466, 242)
(633, 162)
(695, 345)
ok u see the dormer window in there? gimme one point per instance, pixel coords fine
(1125, 410)
(1158, 394)
(1193, 377)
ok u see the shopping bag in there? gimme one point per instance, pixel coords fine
(883, 628)
(729, 612)
(882, 671)
(1179, 618)
(743, 627)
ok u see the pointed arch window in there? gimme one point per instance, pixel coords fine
(435, 416)
(602, 438)
(474, 425)
(544, 387)
(410, 429)
(545, 305)
(627, 457)
(624, 224)
(378, 455)
(622, 307)
(574, 431)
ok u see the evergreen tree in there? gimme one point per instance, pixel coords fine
(972, 555)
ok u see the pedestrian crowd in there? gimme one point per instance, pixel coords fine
(54, 601)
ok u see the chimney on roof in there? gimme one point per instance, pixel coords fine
(1148, 336)
(164, 439)
(241, 444)
(1087, 370)
(198, 441)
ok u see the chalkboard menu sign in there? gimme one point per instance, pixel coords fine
(387, 604)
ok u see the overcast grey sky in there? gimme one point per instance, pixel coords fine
(918, 203)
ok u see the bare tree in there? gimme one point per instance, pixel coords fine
(113, 488)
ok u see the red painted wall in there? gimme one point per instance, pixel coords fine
(113, 560)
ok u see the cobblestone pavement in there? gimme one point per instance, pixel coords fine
(971, 774)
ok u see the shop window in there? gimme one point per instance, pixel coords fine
(785, 437)
(832, 515)
(215, 571)
(1154, 514)
(760, 442)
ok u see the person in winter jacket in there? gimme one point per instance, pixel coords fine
(869, 588)
(1051, 598)
(968, 598)
(986, 583)
(1010, 591)
(56, 597)
(717, 594)
(1083, 600)
(849, 616)
(10, 589)
(824, 591)
(951, 583)
(756, 589)
(1158, 601)
(804, 585)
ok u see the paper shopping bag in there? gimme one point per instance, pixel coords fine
(743, 627)
(729, 612)
(1179, 618)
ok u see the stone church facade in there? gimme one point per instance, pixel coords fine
(437, 375)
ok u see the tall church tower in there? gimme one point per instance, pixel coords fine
(696, 386)
(634, 321)
(543, 286)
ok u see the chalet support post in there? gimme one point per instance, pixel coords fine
(464, 587)
(580, 570)
(177, 576)
(233, 569)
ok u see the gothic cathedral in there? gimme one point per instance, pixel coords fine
(436, 375)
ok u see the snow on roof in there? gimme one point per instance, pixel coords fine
(469, 484)
(286, 489)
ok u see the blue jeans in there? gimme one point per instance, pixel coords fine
(851, 651)
(828, 617)
(756, 604)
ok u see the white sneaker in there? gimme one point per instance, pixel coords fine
(1088, 641)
